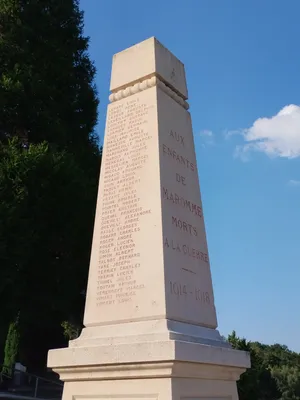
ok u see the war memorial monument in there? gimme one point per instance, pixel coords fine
(150, 318)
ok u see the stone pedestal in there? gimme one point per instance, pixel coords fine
(150, 319)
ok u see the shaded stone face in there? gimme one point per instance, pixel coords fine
(149, 255)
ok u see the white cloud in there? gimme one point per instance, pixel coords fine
(293, 182)
(277, 136)
(206, 133)
(242, 152)
(228, 133)
(207, 137)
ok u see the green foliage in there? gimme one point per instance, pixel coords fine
(47, 89)
(47, 204)
(71, 331)
(49, 168)
(288, 381)
(274, 373)
(11, 347)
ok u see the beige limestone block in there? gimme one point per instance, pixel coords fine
(126, 279)
(149, 255)
(144, 60)
(152, 389)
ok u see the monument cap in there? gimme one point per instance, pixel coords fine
(146, 59)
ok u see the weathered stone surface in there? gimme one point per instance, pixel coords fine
(150, 319)
(149, 256)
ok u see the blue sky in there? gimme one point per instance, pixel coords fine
(242, 62)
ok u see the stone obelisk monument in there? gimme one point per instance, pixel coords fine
(150, 318)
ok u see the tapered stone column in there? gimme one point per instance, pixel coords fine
(150, 318)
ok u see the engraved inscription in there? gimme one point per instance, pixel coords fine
(184, 226)
(185, 249)
(185, 291)
(173, 75)
(125, 157)
(190, 259)
(168, 151)
(181, 201)
(180, 179)
(179, 138)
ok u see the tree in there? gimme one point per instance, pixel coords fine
(288, 381)
(11, 347)
(274, 373)
(47, 90)
(46, 216)
(49, 168)
(248, 384)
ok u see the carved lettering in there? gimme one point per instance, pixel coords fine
(181, 201)
(186, 250)
(184, 226)
(121, 209)
(180, 179)
(167, 151)
(177, 137)
(186, 291)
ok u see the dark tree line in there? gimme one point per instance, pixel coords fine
(49, 168)
(274, 373)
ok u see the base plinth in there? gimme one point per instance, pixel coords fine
(164, 364)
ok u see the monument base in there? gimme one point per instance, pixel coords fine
(173, 361)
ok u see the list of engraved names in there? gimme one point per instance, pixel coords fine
(121, 214)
